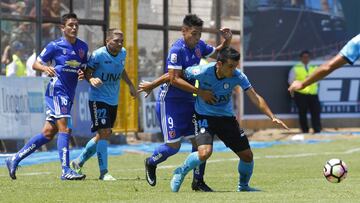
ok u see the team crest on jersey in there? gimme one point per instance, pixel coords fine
(64, 110)
(172, 133)
(81, 53)
(226, 85)
(173, 58)
(198, 52)
(103, 121)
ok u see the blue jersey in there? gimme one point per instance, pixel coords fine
(351, 51)
(221, 88)
(109, 69)
(67, 59)
(180, 57)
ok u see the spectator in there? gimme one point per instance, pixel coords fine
(307, 98)
(17, 66)
(22, 34)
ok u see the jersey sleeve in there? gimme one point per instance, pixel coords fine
(194, 72)
(93, 62)
(174, 60)
(243, 81)
(47, 54)
(206, 49)
(351, 51)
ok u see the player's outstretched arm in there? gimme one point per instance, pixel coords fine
(227, 35)
(147, 87)
(95, 82)
(127, 80)
(49, 70)
(324, 70)
(176, 79)
(259, 102)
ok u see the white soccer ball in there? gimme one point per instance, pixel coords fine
(335, 170)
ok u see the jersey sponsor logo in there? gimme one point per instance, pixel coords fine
(72, 63)
(226, 85)
(198, 52)
(111, 77)
(173, 58)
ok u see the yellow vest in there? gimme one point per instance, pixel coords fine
(21, 67)
(301, 74)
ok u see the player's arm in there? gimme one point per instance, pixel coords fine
(147, 86)
(176, 79)
(261, 104)
(127, 80)
(39, 66)
(324, 70)
(227, 35)
(95, 82)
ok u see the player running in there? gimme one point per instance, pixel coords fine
(104, 71)
(69, 55)
(219, 118)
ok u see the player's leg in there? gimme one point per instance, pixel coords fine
(198, 183)
(102, 153)
(47, 134)
(229, 131)
(172, 138)
(86, 154)
(204, 139)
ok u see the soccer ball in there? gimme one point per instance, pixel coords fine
(335, 170)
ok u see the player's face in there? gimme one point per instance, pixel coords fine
(70, 29)
(115, 43)
(191, 35)
(227, 69)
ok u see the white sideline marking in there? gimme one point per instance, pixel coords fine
(349, 151)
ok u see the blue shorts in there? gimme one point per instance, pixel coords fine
(176, 119)
(58, 107)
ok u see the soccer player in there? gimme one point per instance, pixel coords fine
(104, 71)
(175, 107)
(69, 55)
(219, 118)
(348, 54)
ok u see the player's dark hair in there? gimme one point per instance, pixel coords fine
(228, 53)
(66, 17)
(302, 53)
(192, 20)
(111, 32)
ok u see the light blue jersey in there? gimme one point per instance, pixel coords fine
(109, 69)
(221, 88)
(351, 51)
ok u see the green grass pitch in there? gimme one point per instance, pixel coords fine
(284, 173)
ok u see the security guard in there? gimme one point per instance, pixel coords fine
(307, 98)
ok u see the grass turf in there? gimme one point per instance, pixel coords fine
(284, 173)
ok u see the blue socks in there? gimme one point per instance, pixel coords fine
(199, 171)
(191, 162)
(88, 152)
(161, 153)
(102, 155)
(31, 146)
(245, 170)
(63, 148)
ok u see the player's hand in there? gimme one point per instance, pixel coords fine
(50, 71)
(145, 86)
(207, 96)
(81, 74)
(226, 33)
(95, 82)
(296, 85)
(279, 122)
